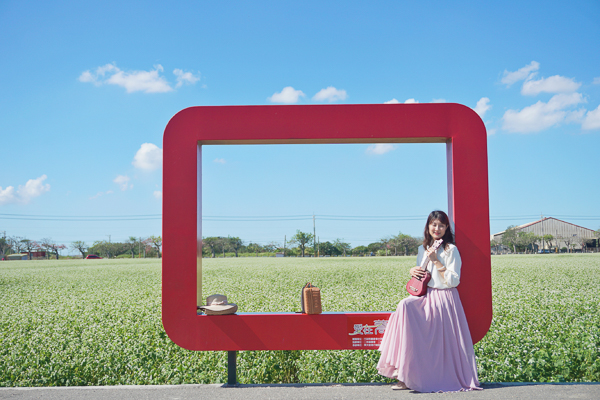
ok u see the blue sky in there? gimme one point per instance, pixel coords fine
(87, 89)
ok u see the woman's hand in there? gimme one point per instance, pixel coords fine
(417, 272)
(432, 254)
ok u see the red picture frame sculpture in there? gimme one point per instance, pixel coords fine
(468, 207)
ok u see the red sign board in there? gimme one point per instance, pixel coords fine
(365, 332)
(468, 207)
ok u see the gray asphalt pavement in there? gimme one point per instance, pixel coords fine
(308, 391)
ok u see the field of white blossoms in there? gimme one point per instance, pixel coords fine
(98, 322)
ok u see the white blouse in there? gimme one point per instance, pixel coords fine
(450, 259)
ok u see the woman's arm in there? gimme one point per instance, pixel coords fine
(451, 264)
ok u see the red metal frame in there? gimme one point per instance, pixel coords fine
(468, 205)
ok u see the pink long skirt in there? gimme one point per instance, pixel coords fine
(427, 344)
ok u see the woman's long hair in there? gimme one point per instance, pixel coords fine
(443, 218)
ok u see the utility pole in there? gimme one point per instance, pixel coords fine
(542, 217)
(284, 242)
(314, 236)
(140, 248)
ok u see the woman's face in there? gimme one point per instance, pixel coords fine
(437, 229)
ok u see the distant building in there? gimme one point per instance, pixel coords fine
(565, 234)
(21, 256)
(38, 254)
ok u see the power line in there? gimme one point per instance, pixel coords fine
(265, 218)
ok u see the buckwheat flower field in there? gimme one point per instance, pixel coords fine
(98, 322)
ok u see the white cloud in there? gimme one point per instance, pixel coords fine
(185, 77)
(220, 160)
(596, 81)
(137, 81)
(330, 94)
(148, 157)
(439, 101)
(540, 115)
(24, 194)
(380, 148)
(527, 72)
(123, 182)
(483, 105)
(392, 101)
(491, 132)
(141, 81)
(101, 194)
(86, 76)
(7, 195)
(287, 96)
(99, 74)
(553, 84)
(592, 120)
(411, 101)
(158, 194)
(33, 188)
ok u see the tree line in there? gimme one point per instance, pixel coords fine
(303, 244)
(132, 247)
(18, 245)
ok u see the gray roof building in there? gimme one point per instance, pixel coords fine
(565, 234)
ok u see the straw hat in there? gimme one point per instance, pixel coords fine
(217, 304)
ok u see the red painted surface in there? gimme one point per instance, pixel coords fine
(454, 124)
(365, 331)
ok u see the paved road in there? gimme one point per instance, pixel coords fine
(299, 391)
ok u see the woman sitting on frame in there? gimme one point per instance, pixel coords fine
(427, 345)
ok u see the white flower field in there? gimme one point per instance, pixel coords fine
(98, 322)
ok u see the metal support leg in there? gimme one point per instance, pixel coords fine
(231, 368)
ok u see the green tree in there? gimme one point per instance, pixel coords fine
(510, 237)
(328, 249)
(302, 239)
(211, 242)
(156, 241)
(527, 240)
(359, 250)
(4, 246)
(131, 244)
(385, 245)
(373, 247)
(548, 239)
(80, 246)
(254, 248)
(101, 248)
(406, 243)
(223, 243)
(342, 246)
(235, 243)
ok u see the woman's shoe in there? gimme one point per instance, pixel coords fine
(399, 386)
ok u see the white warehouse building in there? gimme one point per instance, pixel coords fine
(565, 234)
